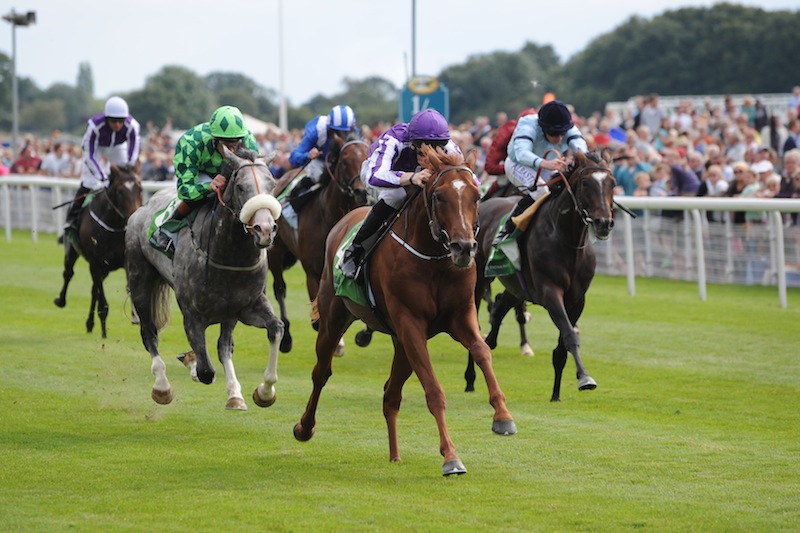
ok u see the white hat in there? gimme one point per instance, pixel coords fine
(761, 166)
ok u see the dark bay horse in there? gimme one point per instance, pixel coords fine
(558, 260)
(423, 280)
(101, 238)
(218, 274)
(341, 192)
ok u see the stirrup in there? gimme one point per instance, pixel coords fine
(350, 266)
(163, 243)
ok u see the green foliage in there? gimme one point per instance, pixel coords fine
(693, 426)
(174, 92)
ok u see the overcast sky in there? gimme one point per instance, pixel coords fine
(324, 41)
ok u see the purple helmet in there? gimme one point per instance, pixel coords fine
(555, 118)
(428, 125)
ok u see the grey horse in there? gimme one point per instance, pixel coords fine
(218, 274)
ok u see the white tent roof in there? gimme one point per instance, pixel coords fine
(259, 126)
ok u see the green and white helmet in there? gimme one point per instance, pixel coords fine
(227, 122)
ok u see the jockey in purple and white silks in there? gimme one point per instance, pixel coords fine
(315, 144)
(391, 165)
(112, 138)
(551, 129)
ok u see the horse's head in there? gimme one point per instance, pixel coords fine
(124, 190)
(592, 188)
(451, 200)
(249, 195)
(344, 166)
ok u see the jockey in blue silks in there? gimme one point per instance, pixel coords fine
(315, 144)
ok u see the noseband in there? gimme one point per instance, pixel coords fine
(586, 218)
(248, 228)
(114, 207)
(442, 237)
(347, 187)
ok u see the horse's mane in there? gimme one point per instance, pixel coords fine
(594, 157)
(431, 156)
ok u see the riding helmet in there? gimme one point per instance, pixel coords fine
(116, 107)
(227, 122)
(428, 125)
(555, 118)
(342, 118)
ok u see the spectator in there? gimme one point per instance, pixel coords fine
(792, 135)
(790, 181)
(27, 162)
(56, 162)
(651, 115)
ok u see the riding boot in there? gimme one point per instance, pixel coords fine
(164, 240)
(74, 213)
(508, 228)
(354, 255)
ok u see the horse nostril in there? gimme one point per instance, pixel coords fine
(611, 224)
(474, 248)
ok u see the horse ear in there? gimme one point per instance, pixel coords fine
(270, 157)
(472, 157)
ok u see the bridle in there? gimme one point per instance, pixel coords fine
(346, 187)
(117, 210)
(441, 236)
(247, 227)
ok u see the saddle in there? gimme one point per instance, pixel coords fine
(504, 259)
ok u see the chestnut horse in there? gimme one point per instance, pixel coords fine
(101, 238)
(342, 191)
(557, 257)
(423, 281)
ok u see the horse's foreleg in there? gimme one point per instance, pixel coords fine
(225, 352)
(412, 342)
(98, 276)
(559, 362)
(522, 318)
(393, 395)
(196, 334)
(92, 307)
(568, 341)
(262, 315)
(334, 321)
(70, 257)
(279, 289)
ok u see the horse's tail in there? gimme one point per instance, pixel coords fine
(160, 304)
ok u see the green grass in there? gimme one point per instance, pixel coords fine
(694, 425)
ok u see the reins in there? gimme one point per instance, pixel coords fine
(347, 188)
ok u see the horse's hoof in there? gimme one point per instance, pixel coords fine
(504, 427)
(187, 358)
(586, 383)
(340, 350)
(302, 434)
(363, 338)
(236, 404)
(162, 397)
(469, 388)
(286, 344)
(60, 302)
(261, 402)
(526, 350)
(454, 467)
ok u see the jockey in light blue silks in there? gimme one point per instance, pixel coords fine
(551, 129)
(391, 165)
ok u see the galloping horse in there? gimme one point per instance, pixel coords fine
(558, 260)
(218, 274)
(101, 238)
(422, 280)
(343, 191)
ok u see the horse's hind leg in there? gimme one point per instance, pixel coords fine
(225, 351)
(262, 316)
(196, 335)
(98, 297)
(70, 257)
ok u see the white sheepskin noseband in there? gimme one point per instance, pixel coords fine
(260, 201)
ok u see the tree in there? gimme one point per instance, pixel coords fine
(174, 92)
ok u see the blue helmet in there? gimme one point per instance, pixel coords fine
(555, 118)
(428, 125)
(342, 118)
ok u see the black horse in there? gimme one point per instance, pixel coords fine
(101, 238)
(557, 257)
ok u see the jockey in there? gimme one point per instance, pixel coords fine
(551, 129)
(113, 135)
(391, 165)
(498, 151)
(198, 157)
(314, 146)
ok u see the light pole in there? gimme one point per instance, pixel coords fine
(16, 19)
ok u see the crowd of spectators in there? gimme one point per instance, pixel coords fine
(733, 149)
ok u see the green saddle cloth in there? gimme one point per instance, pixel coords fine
(163, 219)
(346, 287)
(504, 259)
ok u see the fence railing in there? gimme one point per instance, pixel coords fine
(686, 247)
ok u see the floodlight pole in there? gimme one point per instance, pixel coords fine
(16, 19)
